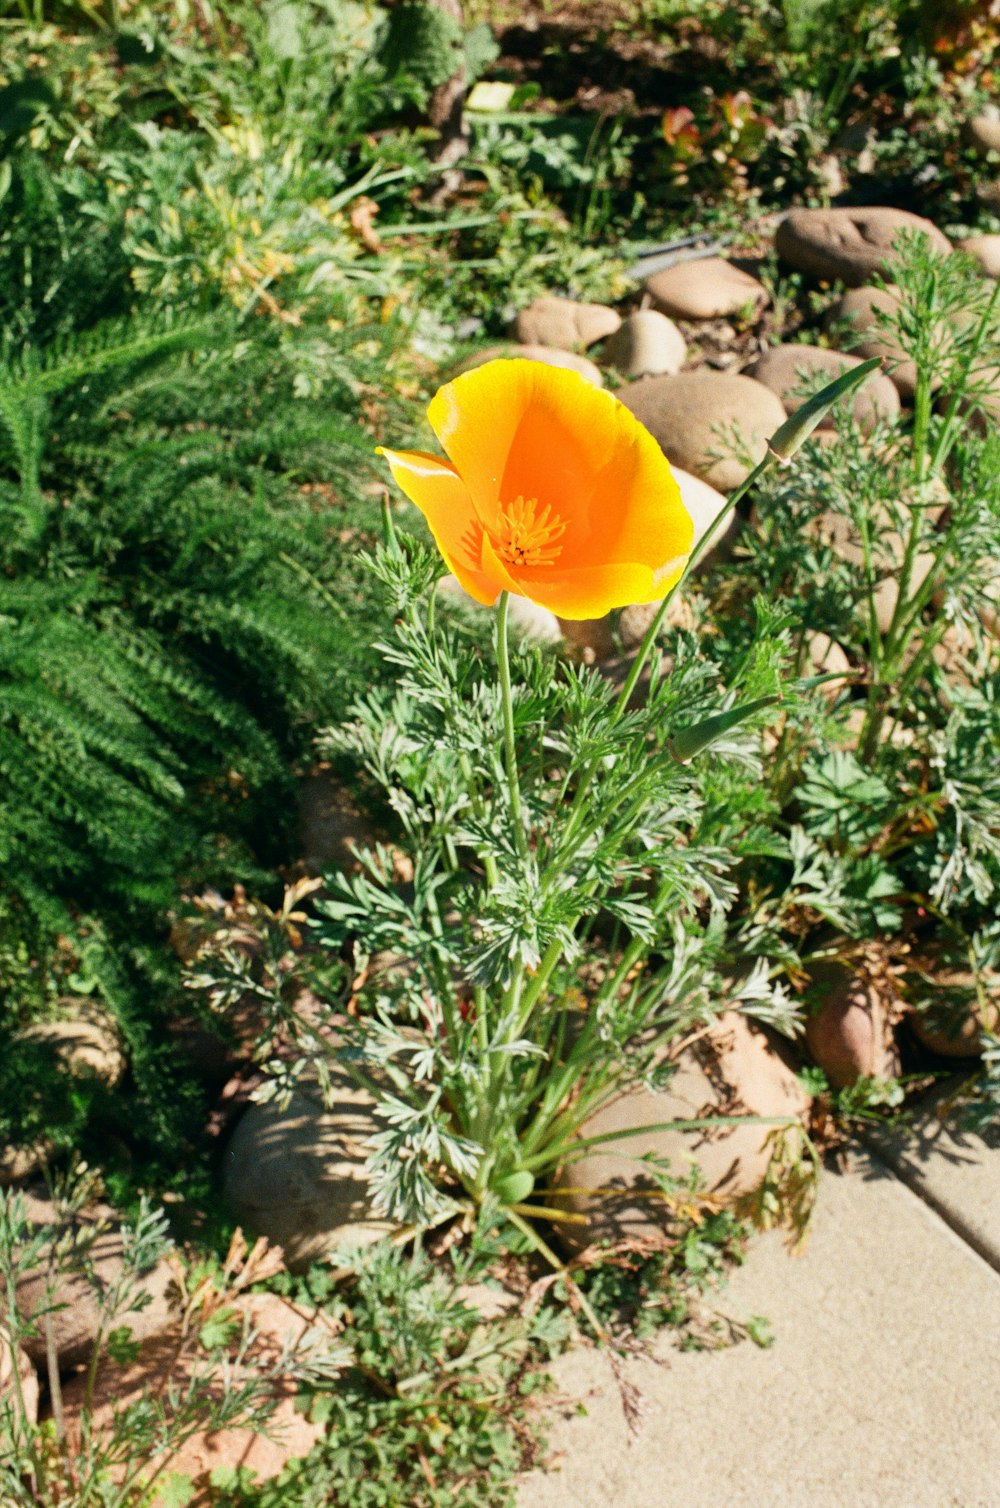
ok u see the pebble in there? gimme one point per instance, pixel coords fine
(647, 345)
(563, 322)
(706, 288)
(13, 1357)
(982, 131)
(948, 1016)
(782, 368)
(329, 825)
(694, 416)
(848, 244)
(85, 1039)
(986, 250)
(837, 530)
(173, 1361)
(548, 355)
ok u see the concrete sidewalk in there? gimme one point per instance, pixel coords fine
(880, 1391)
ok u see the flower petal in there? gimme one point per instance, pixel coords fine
(592, 591)
(443, 498)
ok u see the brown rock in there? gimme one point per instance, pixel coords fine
(299, 1175)
(848, 244)
(330, 825)
(595, 636)
(788, 370)
(712, 424)
(647, 345)
(860, 308)
(836, 530)
(565, 323)
(826, 657)
(18, 1383)
(548, 355)
(735, 1070)
(706, 288)
(850, 1035)
(84, 1037)
(171, 1361)
(986, 250)
(73, 1299)
(982, 132)
(950, 1014)
(17, 1163)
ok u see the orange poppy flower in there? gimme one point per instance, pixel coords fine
(552, 491)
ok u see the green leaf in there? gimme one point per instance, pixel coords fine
(175, 1491)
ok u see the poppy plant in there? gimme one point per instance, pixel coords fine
(551, 490)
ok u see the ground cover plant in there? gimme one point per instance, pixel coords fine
(241, 245)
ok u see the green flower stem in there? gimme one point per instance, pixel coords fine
(510, 747)
(528, 1230)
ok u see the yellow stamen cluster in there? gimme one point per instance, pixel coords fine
(525, 536)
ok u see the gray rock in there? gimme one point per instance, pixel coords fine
(986, 250)
(564, 323)
(548, 355)
(859, 307)
(713, 424)
(298, 1176)
(849, 244)
(706, 288)
(734, 1069)
(787, 369)
(74, 1297)
(982, 132)
(648, 344)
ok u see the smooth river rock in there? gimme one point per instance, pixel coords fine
(848, 244)
(564, 322)
(982, 131)
(860, 307)
(86, 1268)
(713, 424)
(786, 370)
(706, 288)
(647, 345)
(986, 250)
(849, 1034)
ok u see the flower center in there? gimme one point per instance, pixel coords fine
(526, 535)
